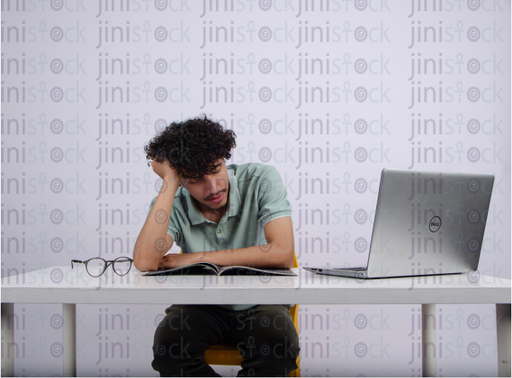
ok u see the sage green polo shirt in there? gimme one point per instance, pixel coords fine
(256, 196)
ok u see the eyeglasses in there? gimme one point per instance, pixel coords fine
(97, 266)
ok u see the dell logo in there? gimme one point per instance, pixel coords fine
(435, 224)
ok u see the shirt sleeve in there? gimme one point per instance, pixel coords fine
(172, 228)
(272, 195)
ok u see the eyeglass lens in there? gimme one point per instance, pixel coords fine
(122, 265)
(96, 267)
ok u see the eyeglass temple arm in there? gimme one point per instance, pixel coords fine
(76, 261)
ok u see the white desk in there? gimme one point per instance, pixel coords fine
(70, 287)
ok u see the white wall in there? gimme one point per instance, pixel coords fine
(70, 71)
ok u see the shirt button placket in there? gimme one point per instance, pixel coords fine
(221, 240)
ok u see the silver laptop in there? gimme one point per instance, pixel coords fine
(426, 223)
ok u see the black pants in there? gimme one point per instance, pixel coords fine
(265, 336)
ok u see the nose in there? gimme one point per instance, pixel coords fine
(211, 184)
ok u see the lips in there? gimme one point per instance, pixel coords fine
(217, 198)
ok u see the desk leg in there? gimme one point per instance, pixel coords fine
(428, 340)
(503, 333)
(69, 339)
(7, 339)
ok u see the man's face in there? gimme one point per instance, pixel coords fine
(211, 190)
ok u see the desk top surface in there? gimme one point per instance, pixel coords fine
(61, 284)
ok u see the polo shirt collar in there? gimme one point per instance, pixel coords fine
(196, 217)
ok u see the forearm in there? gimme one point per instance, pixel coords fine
(277, 253)
(151, 244)
(272, 255)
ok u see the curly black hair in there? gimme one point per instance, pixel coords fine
(192, 147)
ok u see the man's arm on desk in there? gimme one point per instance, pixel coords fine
(277, 253)
(153, 240)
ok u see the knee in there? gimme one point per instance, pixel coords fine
(176, 348)
(178, 320)
(283, 349)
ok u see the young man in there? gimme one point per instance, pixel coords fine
(226, 215)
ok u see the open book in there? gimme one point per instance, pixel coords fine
(209, 268)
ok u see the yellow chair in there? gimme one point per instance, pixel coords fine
(228, 354)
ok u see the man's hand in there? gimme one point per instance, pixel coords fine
(165, 171)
